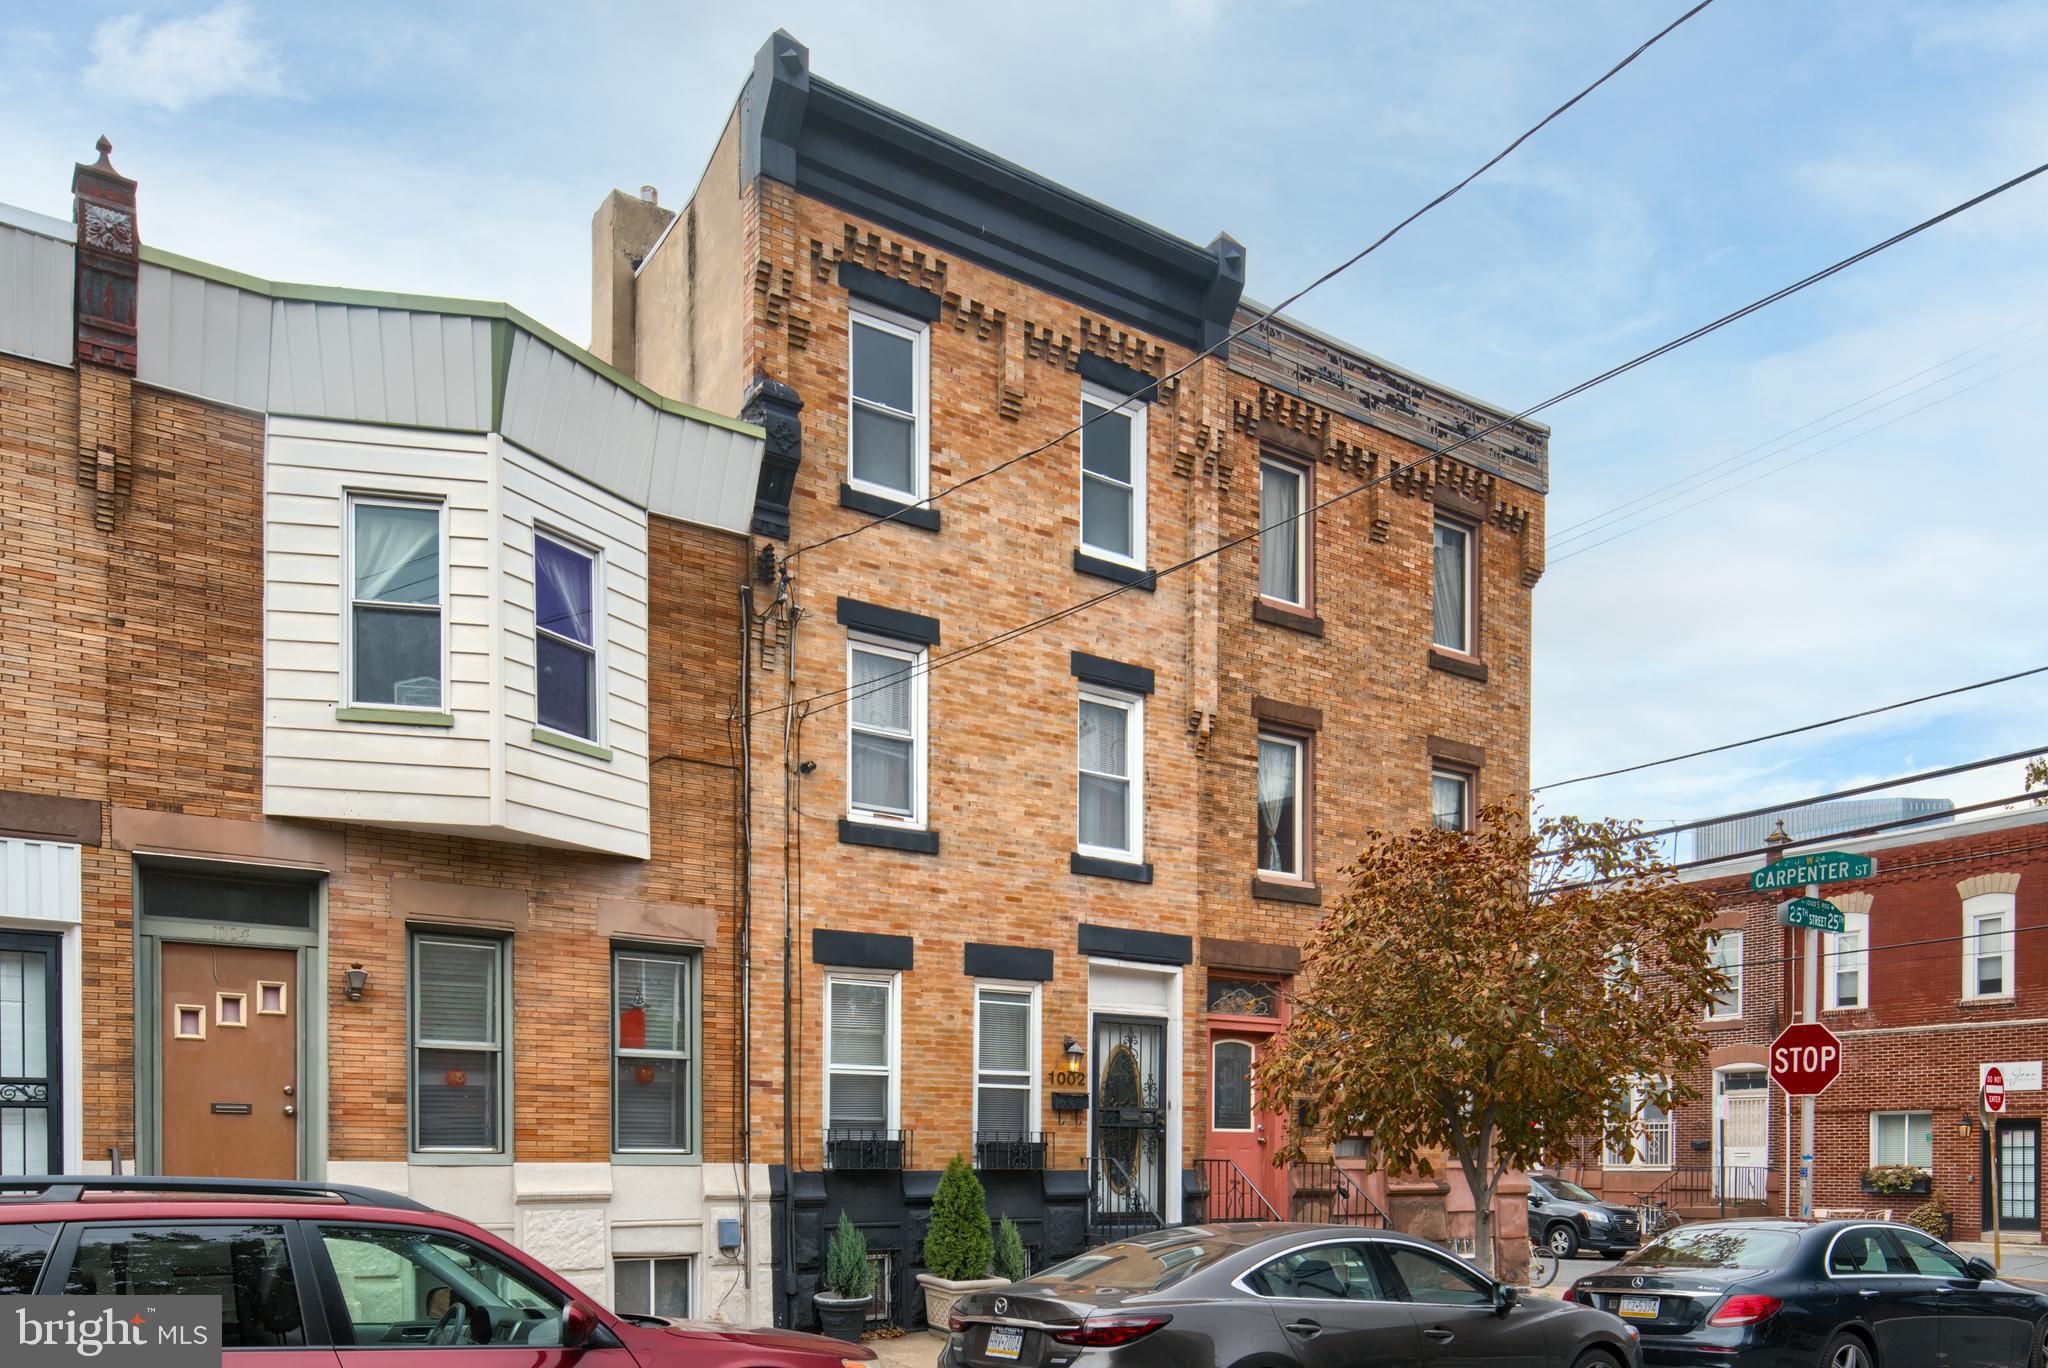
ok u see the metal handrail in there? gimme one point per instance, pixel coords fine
(1348, 1203)
(1237, 1187)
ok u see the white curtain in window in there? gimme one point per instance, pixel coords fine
(398, 554)
(1280, 542)
(1276, 806)
(1450, 587)
(1105, 770)
(1004, 1098)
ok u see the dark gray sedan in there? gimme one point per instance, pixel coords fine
(1273, 1295)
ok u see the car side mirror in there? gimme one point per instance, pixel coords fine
(578, 1325)
(1981, 1269)
(1505, 1295)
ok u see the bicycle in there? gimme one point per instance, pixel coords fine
(1543, 1264)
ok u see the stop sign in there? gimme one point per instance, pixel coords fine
(1805, 1058)
(1994, 1091)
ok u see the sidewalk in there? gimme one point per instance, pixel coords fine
(918, 1349)
(2022, 1261)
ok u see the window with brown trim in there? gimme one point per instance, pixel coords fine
(1286, 533)
(1454, 611)
(1282, 806)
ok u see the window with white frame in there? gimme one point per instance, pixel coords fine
(1724, 951)
(1005, 1054)
(1648, 1139)
(1112, 478)
(395, 602)
(1284, 532)
(887, 366)
(1450, 799)
(458, 1039)
(885, 721)
(1110, 755)
(1281, 765)
(565, 590)
(651, 1287)
(1451, 587)
(653, 1073)
(1845, 964)
(860, 1054)
(1902, 1138)
(1988, 926)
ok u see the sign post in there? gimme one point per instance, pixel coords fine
(1994, 1104)
(1808, 914)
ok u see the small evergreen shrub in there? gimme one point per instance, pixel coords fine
(847, 1270)
(1932, 1216)
(958, 1247)
(1012, 1263)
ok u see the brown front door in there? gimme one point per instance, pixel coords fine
(230, 1042)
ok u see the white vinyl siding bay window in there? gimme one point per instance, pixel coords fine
(1280, 805)
(396, 595)
(1988, 945)
(1845, 963)
(887, 369)
(1451, 587)
(860, 1055)
(1902, 1138)
(1110, 756)
(565, 645)
(1112, 478)
(1005, 1062)
(885, 732)
(458, 1044)
(1284, 533)
(654, 1076)
(1724, 949)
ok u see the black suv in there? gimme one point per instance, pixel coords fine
(1566, 1218)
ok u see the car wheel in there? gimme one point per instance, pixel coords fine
(1597, 1358)
(1562, 1240)
(2040, 1358)
(1847, 1350)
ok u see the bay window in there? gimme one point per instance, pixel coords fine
(395, 602)
(654, 1020)
(458, 1043)
(565, 636)
(1110, 754)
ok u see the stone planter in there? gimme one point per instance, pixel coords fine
(941, 1293)
(843, 1318)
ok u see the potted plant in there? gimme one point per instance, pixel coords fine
(1012, 1263)
(1890, 1180)
(849, 1283)
(957, 1247)
(1934, 1217)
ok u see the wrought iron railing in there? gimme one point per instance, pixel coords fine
(857, 1148)
(1650, 1146)
(1119, 1204)
(1326, 1195)
(1703, 1185)
(1228, 1194)
(1012, 1151)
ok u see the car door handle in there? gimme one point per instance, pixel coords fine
(1869, 1294)
(1304, 1327)
(1440, 1335)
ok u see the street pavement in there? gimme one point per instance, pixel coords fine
(2027, 1263)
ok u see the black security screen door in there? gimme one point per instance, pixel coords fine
(1127, 1167)
(31, 1090)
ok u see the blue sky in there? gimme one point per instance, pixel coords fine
(461, 148)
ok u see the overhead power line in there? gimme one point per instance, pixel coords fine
(1792, 731)
(1276, 309)
(824, 697)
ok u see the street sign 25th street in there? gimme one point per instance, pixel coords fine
(1815, 914)
(1829, 866)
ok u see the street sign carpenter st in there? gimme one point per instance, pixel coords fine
(1815, 914)
(1829, 866)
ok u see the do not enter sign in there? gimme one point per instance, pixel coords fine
(1994, 1091)
(1805, 1058)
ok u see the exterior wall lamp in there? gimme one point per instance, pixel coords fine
(355, 979)
(1963, 1125)
(1073, 1052)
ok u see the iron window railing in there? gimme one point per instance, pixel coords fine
(865, 1148)
(1012, 1151)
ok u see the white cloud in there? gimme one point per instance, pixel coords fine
(182, 62)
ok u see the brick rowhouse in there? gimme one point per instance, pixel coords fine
(1947, 902)
(179, 700)
(964, 897)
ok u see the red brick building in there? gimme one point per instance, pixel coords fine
(1039, 904)
(367, 804)
(1929, 984)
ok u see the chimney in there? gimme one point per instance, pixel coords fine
(103, 207)
(622, 232)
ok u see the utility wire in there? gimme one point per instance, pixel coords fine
(1152, 577)
(1793, 731)
(1642, 503)
(1272, 312)
(2035, 359)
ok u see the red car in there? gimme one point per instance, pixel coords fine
(321, 1275)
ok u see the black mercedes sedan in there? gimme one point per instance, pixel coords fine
(1275, 1295)
(1827, 1294)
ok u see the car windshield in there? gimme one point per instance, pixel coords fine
(1571, 1192)
(1136, 1267)
(1717, 1246)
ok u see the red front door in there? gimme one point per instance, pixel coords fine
(1240, 1130)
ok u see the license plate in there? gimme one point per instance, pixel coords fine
(1007, 1342)
(1640, 1308)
